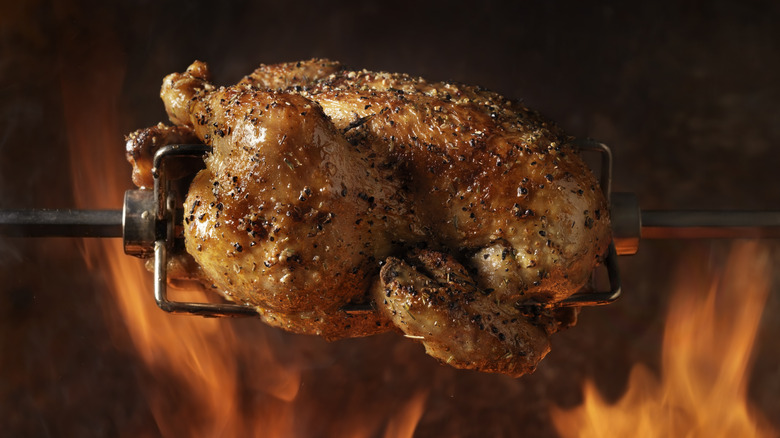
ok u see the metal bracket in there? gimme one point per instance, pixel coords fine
(164, 237)
(588, 296)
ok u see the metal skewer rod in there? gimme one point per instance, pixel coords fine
(710, 224)
(630, 224)
(61, 223)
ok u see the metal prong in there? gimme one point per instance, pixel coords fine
(165, 238)
(202, 309)
(590, 298)
(605, 179)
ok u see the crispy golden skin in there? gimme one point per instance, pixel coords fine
(319, 175)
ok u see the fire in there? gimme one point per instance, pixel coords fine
(710, 330)
(406, 421)
(201, 377)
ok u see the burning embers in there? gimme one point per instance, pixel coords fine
(702, 391)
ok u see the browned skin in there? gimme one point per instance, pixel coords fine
(290, 74)
(501, 175)
(316, 179)
(432, 298)
(141, 145)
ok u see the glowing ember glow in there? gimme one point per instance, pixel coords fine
(710, 330)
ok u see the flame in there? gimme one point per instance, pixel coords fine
(404, 424)
(710, 330)
(201, 377)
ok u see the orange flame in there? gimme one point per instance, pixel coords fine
(404, 424)
(707, 346)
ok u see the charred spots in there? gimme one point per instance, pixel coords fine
(323, 218)
(487, 291)
(255, 226)
(477, 320)
(521, 212)
(305, 194)
(367, 198)
(358, 122)
(522, 191)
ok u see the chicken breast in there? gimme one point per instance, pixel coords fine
(320, 175)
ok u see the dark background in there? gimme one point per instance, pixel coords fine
(685, 93)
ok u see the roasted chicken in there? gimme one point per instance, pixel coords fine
(443, 207)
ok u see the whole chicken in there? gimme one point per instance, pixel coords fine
(444, 208)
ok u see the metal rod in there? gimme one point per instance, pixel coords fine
(61, 223)
(710, 224)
